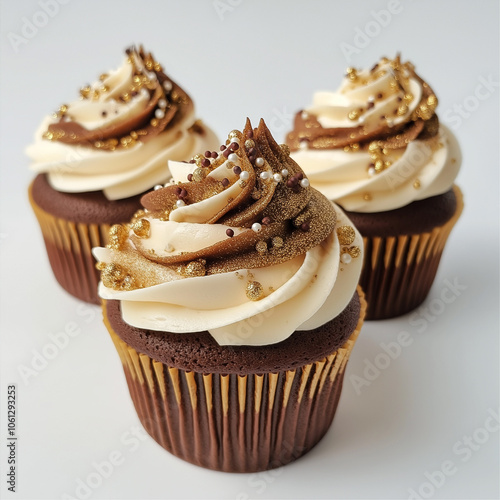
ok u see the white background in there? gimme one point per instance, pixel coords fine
(241, 58)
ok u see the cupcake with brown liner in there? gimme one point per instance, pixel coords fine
(232, 301)
(376, 147)
(97, 155)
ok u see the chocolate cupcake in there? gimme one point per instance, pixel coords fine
(96, 156)
(232, 301)
(376, 148)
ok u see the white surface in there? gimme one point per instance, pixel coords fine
(261, 59)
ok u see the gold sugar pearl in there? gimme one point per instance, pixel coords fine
(416, 184)
(254, 290)
(367, 197)
(199, 174)
(346, 235)
(353, 114)
(141, 228)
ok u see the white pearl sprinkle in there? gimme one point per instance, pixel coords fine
(234, 139)
(371, 171)
(371, 98)
(304, 115)
(158, 186)
(284, 172)
(277, 177)
(390, 123)
(159, 113)
(144, 93)
(162, 103)
(151, 75)
(264, 175)
(256, 227)
(244, 175)
(169, 248)
(179, 203)
(167, 85)
(346, 258)
(259, 162)
(304, 183)
(303, 145)
(233, 157)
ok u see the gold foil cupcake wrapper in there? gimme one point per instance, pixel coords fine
(236, 423)
(69, 248)
(398, 271)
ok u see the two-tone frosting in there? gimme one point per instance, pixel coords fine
(376, 144)
(238, 244)
(121, 132)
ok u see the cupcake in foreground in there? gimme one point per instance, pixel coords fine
(232, 300)
(376, 148)
(96, 156)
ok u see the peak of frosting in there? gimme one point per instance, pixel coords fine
(376, 143)
(236, 233)
(119, 134)
(389, 103)
(133, 103)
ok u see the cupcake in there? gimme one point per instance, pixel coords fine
(232, 301)
(96, 156)
(376, 147)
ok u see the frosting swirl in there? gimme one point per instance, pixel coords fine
(376, 144)
(238, 244)
(120, 134)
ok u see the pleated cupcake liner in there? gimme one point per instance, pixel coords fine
(398, 271)
(236, 423)
(69, 248)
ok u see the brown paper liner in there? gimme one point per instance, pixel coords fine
(398, 271)
(69, 248)
(236, 423)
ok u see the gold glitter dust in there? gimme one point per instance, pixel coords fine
(193, 269)
(141, 228)
(346, 235)
(285, 149)
(249, 143)
(255, 290)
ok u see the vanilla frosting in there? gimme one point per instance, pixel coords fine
(251, 268)
(376, 143)
(120, 134)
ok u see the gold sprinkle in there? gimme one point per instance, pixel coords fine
(354, 252)
(234, 133)
(118, 234)
(432, 101)
(249, 143)
(261, 247)
(103, 76)
(141, 228)
(194, 268)
(277, 242)
(352, 74)
(402, 110)
(408, 98)
(199, 174)
(416, 184)
(346, 235)
(367, 197)
(255, 290)
(154, 122)
(353, 114)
